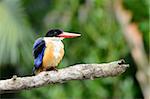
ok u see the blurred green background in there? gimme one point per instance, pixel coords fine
(23, 21)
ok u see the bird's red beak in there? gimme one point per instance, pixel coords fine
(68, 35)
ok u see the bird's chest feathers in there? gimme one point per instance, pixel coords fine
(53, 53)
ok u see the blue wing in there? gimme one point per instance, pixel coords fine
(38, 52)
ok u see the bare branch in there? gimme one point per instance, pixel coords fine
(76, 72)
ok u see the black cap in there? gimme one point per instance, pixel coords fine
(53, 33)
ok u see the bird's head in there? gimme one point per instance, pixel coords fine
(57, 33)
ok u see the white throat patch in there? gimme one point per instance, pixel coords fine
(58, 45)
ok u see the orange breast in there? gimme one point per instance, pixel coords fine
(53, 55)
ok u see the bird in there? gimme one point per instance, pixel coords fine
(48, 51)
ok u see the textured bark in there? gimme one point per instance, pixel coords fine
(76, 72)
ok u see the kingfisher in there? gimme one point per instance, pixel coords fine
(48, 51)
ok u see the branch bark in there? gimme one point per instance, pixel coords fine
(76, 72)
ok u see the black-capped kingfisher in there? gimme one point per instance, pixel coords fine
(48, 51)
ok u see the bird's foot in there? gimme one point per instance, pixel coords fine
(52, 69)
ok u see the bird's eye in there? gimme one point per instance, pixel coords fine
(55, 32)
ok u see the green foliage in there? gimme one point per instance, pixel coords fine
(15, 34)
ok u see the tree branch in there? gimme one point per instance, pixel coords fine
(134, 39)
(76, 72)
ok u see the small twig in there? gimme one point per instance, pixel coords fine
(76, 72)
